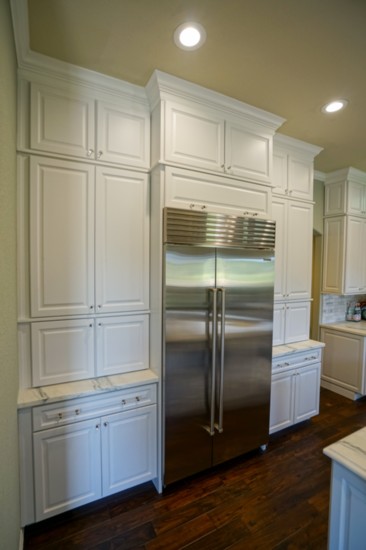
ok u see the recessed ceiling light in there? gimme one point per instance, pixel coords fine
(189, 36)
(334, 106)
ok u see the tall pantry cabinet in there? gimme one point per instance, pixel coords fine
(84, 229)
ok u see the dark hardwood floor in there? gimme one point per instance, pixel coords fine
(278, 499)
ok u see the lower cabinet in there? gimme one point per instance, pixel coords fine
(291, 322)
(84, 460)
(295, 391)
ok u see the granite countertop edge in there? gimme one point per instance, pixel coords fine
(350, 452)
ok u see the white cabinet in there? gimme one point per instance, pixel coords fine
(75, 349)
(344, 261)
(293, 172)
(291, 321)
(345, 193)
(63, 218)
(69, 122)
(180, 188)
(295, 389)
(80, 461)
(293, 249)
(344, 362)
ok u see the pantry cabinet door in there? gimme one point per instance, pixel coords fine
(61, 237)
(129, 449)
(62, 121)
(279, 215)
(355, 276)
(299, 250)
(297, 321)
(123, 134)
(122, 344)
(122, 240)
(67, 467)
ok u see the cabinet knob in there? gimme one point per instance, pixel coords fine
(91, 325)
(255, 214)
(191, 205)
(137, 398)
(97, 427)
(91, 307)
(100, 153)
(59, 416)
(229, 168)
(123, 401)
(89, 152)
(105, 424)
(203, 207)
(77, 412)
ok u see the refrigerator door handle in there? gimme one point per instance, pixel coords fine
(211, 428)
(220, 426)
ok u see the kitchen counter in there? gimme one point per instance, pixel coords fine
(31, 397)
(347, 526)
(351, 327)
(306, 345)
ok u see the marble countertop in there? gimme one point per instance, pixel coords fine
(350, 452)
(306, 345)
(31, 397)
(348, 326)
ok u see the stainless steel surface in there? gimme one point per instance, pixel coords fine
(211, 229)
(218, 309)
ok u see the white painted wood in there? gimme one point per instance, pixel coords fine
(356, 198)
(299, 250)
(297, 323)
(122, 344)
(26, 465)
(355, 263)
(347, 526)
(300, 177)
(62, 120)
(122, 240)
(307, 392)
(280, 169)
(123, 134)
(61, 237)
(62, 351)
(344, 360)
(129, 449)
(334, 199)
(280, 216)
(195, 190)
(282, 401)
(334, 254)
(279, 320)
(67, 467)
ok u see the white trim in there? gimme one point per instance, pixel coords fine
(319, 176)
(296, 145)
(21, 539)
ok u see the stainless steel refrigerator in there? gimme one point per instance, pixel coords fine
(217, 338)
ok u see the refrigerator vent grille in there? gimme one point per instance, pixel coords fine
(211, 229)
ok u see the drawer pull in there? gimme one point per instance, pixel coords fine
(77, 412)
(59, 416)
(123, 401)
(137, 398)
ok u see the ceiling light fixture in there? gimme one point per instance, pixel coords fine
(334, 106)
(189, 36)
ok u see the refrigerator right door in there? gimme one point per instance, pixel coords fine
(245, 351)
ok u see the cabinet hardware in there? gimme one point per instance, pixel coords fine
(123, 401)
(77, 412)
(91, 307)
(137, 398)
(91, 326)
(89, 152)
(99, 307)
(97, 427)
(99, 324)
(203, 207)
(59, 416)
(105, 424)
(191, 205)
(100, 153)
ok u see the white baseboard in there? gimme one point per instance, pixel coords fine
(21, 539)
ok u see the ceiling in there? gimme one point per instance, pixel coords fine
(288, 57)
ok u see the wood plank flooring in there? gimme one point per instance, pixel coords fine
(278, 499)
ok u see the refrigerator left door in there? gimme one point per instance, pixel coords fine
(188, 306)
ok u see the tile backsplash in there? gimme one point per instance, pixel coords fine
(334, 307)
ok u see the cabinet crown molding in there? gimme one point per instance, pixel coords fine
(163, 86)
(296, 145)
(346, 174)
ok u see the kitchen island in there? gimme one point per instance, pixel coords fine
(347, 519)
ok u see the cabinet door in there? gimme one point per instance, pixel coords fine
(307, 390)
(300, 177)
(279, 214)
(67, 468)
(62, 121)
(279, 312)
(61, 237)
(280, 172)
(334, 199)
(123, 134)
(297, 321)
(248, 153)
(299, 250)
(62, 351)
(333, 255)
(122, 344)
(356, 198)
(122, 240)
(129, 449)
(344, 359)
(197, 191)
(194, 137)
(355, 277)
(282, 401)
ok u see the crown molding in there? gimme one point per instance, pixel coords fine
(319, 176)
(296, 145)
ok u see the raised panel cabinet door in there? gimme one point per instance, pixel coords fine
(356, 198)
(280, 172)
(129, 449)
(300, 177)
(62, 351)
(123, 134)
(279, 312)
(334, 255)
(299, 250)
(122, 240)
(198, 191)
(67, 466)
(62, 121)
(282, 401)
(355, 282)
(194, 137)
(248, 153)
(279, 215)
(61, 237)
(122, 344)
(297, 321)
(334, 199)
(307, 390)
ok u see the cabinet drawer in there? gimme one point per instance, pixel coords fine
(297, 359)
(75, 410)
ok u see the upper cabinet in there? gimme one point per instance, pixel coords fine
(345, 193)
(197, 128)
(293, 172)
(71, 122)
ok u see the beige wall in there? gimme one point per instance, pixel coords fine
(9, 481)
